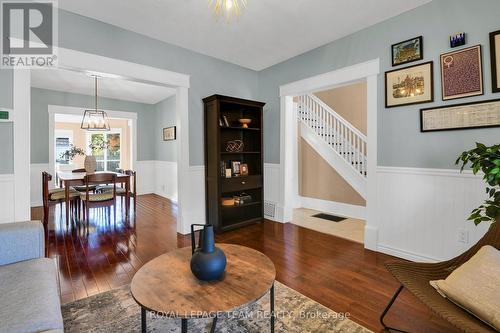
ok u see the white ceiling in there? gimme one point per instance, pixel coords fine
(81, 83)
(267, 32)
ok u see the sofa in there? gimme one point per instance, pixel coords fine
(29, 297)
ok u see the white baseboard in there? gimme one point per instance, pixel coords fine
(412, 256)
(336, 208)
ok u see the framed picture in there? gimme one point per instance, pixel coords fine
(169, 133)
(457, 39)
(244, 169)
(409, 85)
(495, 60)
(407, 51)
(462, 73)
(461, 116)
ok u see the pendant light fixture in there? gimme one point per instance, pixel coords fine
(95, 119)
(227, 8)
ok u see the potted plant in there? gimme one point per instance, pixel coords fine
(72, 152)
(487, 160)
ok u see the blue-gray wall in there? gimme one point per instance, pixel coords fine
(400, 142)
(42, 98)
(165, 116)
(208, 75)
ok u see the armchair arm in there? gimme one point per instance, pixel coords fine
(21, 241)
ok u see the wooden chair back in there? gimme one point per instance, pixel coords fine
(133, 177)
(99, 178)
(46, 178)
(79, 170)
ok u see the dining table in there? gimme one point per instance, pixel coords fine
(69, 178)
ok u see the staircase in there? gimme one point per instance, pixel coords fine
(335, 139)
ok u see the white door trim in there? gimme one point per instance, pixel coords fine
(91, 63)
(366, 71)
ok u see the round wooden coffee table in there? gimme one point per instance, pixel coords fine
(166, 286)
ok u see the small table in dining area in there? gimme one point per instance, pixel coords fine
(68, 179)
(166, 285)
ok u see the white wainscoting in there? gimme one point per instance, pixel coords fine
(272, 190)
(7, 198)
(420, 212)
(36, 170)
(146, 177)
(194, 211)
(166, 179)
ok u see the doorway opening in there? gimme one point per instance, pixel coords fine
(329, 164)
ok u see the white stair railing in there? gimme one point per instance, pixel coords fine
(345, 139)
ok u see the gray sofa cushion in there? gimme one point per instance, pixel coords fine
(29, 299)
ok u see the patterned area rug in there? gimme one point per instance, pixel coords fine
(116, 311)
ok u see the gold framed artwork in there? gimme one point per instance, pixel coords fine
(409, 85)
(461, 73)
(461, 116)
(169, 133)
(495, 60)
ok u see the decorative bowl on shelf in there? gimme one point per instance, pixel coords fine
(244, 122)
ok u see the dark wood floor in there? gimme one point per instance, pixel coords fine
(337, 273)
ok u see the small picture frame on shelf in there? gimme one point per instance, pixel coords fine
(244, 169)
(235, 166)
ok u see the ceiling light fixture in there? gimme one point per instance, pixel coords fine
(95, 120)
(227, 8)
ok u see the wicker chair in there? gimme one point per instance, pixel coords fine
(415, 278)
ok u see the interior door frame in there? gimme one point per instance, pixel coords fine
(95, 64)
(367, 71)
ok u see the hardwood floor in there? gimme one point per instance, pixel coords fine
(335, 272)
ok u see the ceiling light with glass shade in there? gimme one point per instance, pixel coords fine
(228, 9)
(95, 119)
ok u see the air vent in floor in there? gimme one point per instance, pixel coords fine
(329, 217)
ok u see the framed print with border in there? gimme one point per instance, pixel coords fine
(407, 51)
(461, 116)
(409, 85)
(169, 133)
(461, 73)
(495, 60)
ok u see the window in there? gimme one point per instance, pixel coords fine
(64, 139)
(106, 149)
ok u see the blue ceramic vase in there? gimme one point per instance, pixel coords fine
(208, 262)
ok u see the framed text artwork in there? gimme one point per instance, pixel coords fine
(409, 85)
(461, 116)
(462, 73)
(495, 60)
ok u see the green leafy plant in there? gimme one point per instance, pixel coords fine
(72, 152)
(487, 160)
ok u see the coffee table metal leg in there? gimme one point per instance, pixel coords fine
(214, 323)
(272, 308)
(143, 320)
(184, 325)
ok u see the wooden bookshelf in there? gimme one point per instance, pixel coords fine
(218, 131)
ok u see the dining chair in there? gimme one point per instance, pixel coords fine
(99, 199)
(54, 196)
(122, 192)
(82, 188)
